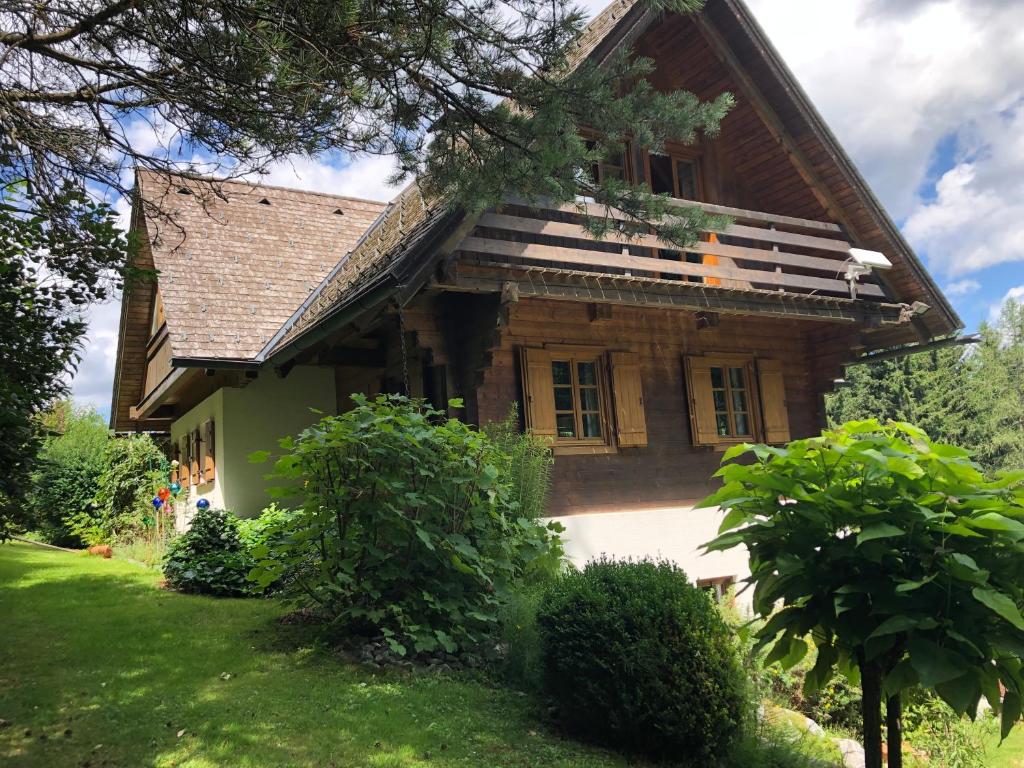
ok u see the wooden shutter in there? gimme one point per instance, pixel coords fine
(773, 401)
(538, 392)
(703, 429)
(628, 394)
(209, 463)
(184, 475)
(176, 456)
(194, 456)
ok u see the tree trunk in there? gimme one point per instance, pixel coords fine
(871, 709)
(894, 726)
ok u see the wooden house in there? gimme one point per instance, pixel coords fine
(638, 361)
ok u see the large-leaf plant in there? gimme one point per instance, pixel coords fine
(897, 555)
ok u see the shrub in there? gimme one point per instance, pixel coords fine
(70, 463)
(408, 529)
(529, 463)
(210, 558)
(135, 468)
(638, 658)
(950, 740)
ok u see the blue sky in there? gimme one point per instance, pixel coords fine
(927, 96)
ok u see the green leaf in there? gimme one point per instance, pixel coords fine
(900, 678)
(910, 586)
(735, 517)
(893, 625)
(425, 537)
(1010, 715)
(878, 531)
(258, 457)
(1001, 604)
(993, 521)
(934, 664)
(736, 450)
(962, 694)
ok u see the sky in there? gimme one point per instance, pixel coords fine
(927, 96)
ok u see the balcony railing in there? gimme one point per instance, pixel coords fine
(758, 251)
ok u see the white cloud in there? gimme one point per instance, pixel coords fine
(976, 219)
(93, 382)
(962, 287)
(365, 177)
(894, 79)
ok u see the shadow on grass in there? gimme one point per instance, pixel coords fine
(98, 667)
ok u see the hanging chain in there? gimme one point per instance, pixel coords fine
(405, 356)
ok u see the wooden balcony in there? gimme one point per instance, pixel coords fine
(758, 253)
(158, 361)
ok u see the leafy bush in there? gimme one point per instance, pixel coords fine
(409, 527)
(950, 740)
(210, 558)
(271, 532)
(135, 468)
(638, 658)
(69, 465)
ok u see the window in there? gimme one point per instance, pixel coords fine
(731, 397)
(718, 586)
(609, 168)
(585, 400)
(577, 399)
(735, 399)
(674, 176)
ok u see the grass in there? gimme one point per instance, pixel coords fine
(100, 667)
(1008, 755)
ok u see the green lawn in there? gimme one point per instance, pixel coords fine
(100, 667)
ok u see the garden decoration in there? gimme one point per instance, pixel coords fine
(157, 502)
(175, 488)
(202, 504)
(164, 493)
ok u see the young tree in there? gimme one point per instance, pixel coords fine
(895, 554)
(70, 463)
(997, 373)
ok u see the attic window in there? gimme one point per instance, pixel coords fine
(338, 212)
(184, 191)
(264, 201)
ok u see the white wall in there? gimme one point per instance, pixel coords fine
(248, 419)
(671, 533)
(210, 408)
(257, 416)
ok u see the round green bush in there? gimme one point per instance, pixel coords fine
(639, 659)
(209, 558)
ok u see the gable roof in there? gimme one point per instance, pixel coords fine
(814, 148)
(233, 259)
(236, 259)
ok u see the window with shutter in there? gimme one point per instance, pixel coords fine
(628, 396)
(735, 399)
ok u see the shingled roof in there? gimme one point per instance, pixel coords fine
(236, 259)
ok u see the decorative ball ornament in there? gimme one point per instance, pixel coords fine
(157, 502)
(175, 489)
(164, 494)
(202, 504)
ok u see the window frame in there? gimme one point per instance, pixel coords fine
(694, 157)
(574, 358)
(730, 412)
(752, 365)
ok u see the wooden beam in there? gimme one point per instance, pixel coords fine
(354, 357)
(578, 232)
(558, 254)
(173, 381)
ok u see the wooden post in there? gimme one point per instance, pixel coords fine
(894, 728)
(871, 709)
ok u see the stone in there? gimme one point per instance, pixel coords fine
(852, 752)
